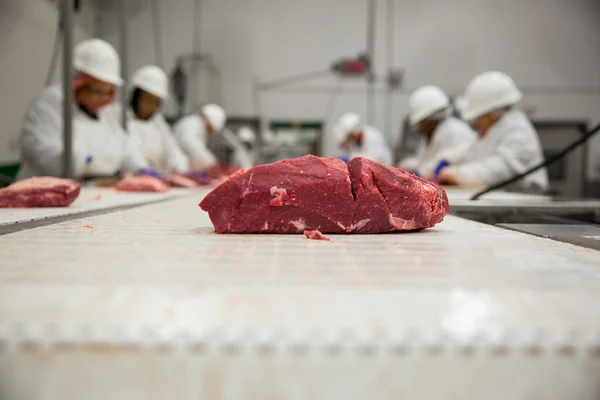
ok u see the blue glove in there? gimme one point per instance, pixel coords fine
(414, 172)
(344, 159)
(88, 159)
(199, 174)
(441, 165)
(149, 172)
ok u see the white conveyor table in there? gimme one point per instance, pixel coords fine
(91, 200)
(150, 303)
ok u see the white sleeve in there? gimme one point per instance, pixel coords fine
(506, 161)
(41, 138)
(133, 157)
(411, 163)
(188, 135)
(177, 160)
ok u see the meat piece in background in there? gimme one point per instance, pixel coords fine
(200, 178)
(43, 191)
(142, 183)
(178, 180)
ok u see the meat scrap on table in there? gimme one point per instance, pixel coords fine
(315, 235)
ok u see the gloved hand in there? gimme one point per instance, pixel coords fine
(149, 172)
(414, 172)
(197, 174)
(89, 159)
(344, 159)
(440, 167)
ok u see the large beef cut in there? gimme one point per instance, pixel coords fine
(142, 183)
(43, 191)
(324, 194)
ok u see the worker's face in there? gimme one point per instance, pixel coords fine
(484, 122)
(95, 95)
(147, 105)
(354, 139)
(207, 127)
(427, 127)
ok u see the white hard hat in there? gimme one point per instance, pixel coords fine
(426, 101)
(99, 60)
(347, 124)
(215, 115)
(246, 134)
(152, 79)
(490, 91)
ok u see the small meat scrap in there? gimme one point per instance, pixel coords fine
(315, 235)
(42, 191)
(142, 183)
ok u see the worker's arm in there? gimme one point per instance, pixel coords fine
(42, 138)
(507, 160)
(133, 157)
(188, 136)
(176, 158)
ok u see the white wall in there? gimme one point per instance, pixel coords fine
(550, 47)
(27, 30)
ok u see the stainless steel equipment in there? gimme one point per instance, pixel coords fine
(293, 139)
(567, 176)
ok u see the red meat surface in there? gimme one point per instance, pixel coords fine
(43, 191)
(142, 183)
(325, 194)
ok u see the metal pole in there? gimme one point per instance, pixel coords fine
(371, 14)
(123, 56)
(67, 78)
(389, 41)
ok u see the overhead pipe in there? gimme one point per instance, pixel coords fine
(67, 78)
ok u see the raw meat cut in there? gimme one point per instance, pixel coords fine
(315, 235)
(142, 183)
(199, 177)
(325, 194)
(42, 191)
(178, 180)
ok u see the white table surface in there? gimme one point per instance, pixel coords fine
(151, 303)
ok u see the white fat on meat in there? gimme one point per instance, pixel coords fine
(360, 224)
(403, 224)
(299, 224)
(277, 192)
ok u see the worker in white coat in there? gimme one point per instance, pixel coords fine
(508, 144)
(244, 155)
(444, 138)
(100, 146)
(192, 132)
(148, 129)
(359, 140)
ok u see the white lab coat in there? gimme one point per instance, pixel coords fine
(155, 140)
(242, 156)
(191, 136)
(373, 146)
(510, 147)
(103, 139)
(450, 142)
